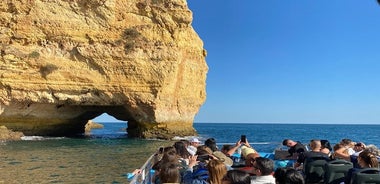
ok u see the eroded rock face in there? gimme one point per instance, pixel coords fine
(66, 62)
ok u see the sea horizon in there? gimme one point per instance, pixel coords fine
(108, 154)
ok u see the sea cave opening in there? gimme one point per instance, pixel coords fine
(106, 126)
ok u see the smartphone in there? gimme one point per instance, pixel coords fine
(243, 138)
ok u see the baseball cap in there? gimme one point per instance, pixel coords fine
(195, 140)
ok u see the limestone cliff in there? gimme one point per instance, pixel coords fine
(64, 62)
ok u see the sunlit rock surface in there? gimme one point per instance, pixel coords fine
(66, 62)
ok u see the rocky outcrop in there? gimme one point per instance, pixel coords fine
(92, 125)
(6, 135)
(65, 62)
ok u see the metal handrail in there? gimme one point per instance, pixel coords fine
(145, 175)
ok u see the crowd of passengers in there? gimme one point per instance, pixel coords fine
(190, 162)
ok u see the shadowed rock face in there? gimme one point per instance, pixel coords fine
(65, 62)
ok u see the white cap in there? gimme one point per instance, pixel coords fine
(195, 140)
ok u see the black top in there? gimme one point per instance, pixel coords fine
(311, 154)
(298, 148)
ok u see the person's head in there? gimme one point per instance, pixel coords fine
(315, 144)
(250, 158)
(236, 177)
(226, 148)
(346, 142)
(325, 144)
(169, 173)
(216, 170)
(288, 176)
(263, 166)
(293, 176)
(367, 159)
(338, 146)
(170, 156)
(169, 149)
(288, 143)
(194, 142)
(203, 150)
(186, 142)
(180, 147)
(211, 143)
(359, 147)
(279, 175)
(373, 149)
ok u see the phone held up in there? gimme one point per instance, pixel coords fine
(243, 138)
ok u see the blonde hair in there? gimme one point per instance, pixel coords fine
(216, 170)
(315, 144)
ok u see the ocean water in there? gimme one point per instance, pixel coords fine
(107, 155)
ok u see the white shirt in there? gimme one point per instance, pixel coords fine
(268, 179)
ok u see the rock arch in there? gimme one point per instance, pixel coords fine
(139, 61)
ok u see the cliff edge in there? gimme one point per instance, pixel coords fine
(66, 62)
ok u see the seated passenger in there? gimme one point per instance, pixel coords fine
(210, 171)
(236, 177)
(373, 149)
(326, 147)
(295, 148)
(229, 150)
(263, 169)
(211, 143)
(247, 149)
(340, 152)
(182, 152)
(192, 148)
(349, 145)
(288, 176)
(366, 159)
(359, 147)
(315, 146)
(169, 173)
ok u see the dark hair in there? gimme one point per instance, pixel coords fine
(265, 165)
(169, 156)
(227, 147)
(326, 144)
(280, 174)
(285, 142)
(237, 177)
(288, 175)
(180, 147)
(292, 176)
(169, 173)
(211, 143)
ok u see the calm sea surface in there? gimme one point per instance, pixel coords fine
(107, 155)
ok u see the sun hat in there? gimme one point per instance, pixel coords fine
(222, 157)
(195, 140)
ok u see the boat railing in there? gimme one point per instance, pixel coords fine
(145, 175)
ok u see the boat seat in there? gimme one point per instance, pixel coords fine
(364, 176)
(336, 171)
(314, 169)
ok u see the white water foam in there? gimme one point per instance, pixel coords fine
(38, 138)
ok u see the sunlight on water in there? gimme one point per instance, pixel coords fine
(99, 159)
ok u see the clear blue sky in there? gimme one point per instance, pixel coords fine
(278, 61)
(284, 61)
